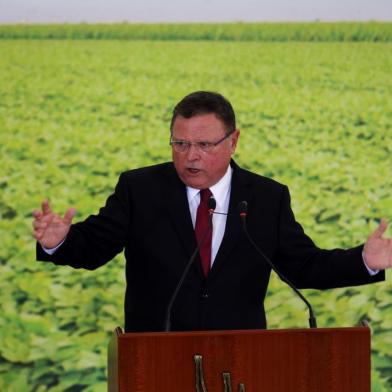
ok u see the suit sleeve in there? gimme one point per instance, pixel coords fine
(308, 266)
(99, 238)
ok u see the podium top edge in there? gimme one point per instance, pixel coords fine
(242, 332)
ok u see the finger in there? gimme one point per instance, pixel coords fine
(38, 234)
(40, 225)
(380, 229)
(37, 214)
(46, 207)
(68, 216)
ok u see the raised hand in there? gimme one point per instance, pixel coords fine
(378, 250)
(50, 229)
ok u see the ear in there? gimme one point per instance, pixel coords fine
(234, 139)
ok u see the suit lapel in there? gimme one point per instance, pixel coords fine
(240, 191)
(178, 207)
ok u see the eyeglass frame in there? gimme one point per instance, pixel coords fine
(198, 145)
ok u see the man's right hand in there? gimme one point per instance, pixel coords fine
(50, 229)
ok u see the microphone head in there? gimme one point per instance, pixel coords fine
(211, 204)
(243, 208)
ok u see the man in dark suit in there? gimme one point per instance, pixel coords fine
(157, 215)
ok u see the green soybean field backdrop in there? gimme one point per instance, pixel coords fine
(76, 110)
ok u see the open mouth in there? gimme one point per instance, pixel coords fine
(193, 171)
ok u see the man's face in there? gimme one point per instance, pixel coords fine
(196, 168)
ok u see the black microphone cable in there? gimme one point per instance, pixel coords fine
(243, 209)
(211, 205)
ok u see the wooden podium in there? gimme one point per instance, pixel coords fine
(291, 360)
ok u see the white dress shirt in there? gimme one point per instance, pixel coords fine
(221, 193)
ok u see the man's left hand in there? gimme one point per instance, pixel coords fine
(378, 250)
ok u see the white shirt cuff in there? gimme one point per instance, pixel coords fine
(50, 251)
(371, 271)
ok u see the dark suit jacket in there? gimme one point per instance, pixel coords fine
(148, 215)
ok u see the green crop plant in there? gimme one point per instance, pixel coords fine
(74, 114)
(280, 32)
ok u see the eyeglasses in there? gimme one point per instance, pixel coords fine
(184, 145)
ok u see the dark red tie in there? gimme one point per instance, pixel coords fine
(202, 230)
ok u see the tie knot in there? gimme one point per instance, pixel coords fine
(205, 194)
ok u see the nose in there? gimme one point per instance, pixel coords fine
(193, 153)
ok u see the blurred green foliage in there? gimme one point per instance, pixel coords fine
(74, 114)
(305, 31)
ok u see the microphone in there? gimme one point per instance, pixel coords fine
(211, 205)
(243, 211)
